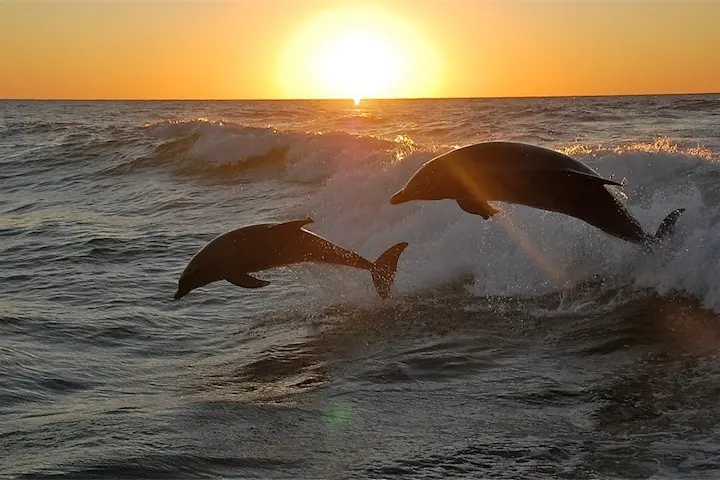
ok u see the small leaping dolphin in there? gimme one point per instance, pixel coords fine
(234, 255)
(527, 175)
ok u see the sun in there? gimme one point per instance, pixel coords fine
(356, 54)
(359, 64)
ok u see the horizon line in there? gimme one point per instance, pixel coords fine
(600, 95)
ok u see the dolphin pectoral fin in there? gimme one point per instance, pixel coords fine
(477, 207)
(246, 281)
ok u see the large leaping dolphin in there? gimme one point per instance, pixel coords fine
(527, 175)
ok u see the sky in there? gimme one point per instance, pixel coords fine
(277, 49)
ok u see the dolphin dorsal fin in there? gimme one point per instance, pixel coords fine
(293, 224)
(299, 223)
(593, 178)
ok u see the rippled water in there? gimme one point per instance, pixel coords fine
(528, 346)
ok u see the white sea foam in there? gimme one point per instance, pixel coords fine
(524, 251)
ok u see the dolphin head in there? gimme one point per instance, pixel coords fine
(430, 182)
(195, 275)
(183, 289)
(401, 196)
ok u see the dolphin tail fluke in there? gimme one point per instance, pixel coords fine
(383, 270)
(668, 224)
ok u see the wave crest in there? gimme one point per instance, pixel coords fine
(663, 145)
(215, 147)
(522, 251)
(525, 251)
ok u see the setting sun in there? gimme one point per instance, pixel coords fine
(358, 65)
(358, 53)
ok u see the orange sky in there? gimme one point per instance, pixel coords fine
(294, 48)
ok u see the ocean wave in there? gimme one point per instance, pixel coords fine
(444, 338)
(525, 251)
(225, 150)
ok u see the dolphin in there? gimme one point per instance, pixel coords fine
(528, 175)
(232, 256)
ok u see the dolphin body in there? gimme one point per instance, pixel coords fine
(234, 255)
(528, 175)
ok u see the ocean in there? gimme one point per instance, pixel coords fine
(530, 345)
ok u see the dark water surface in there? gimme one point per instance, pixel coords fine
(528, 346)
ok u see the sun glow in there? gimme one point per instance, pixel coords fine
(358, 65)
(358, 53)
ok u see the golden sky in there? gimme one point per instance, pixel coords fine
(244, 49)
